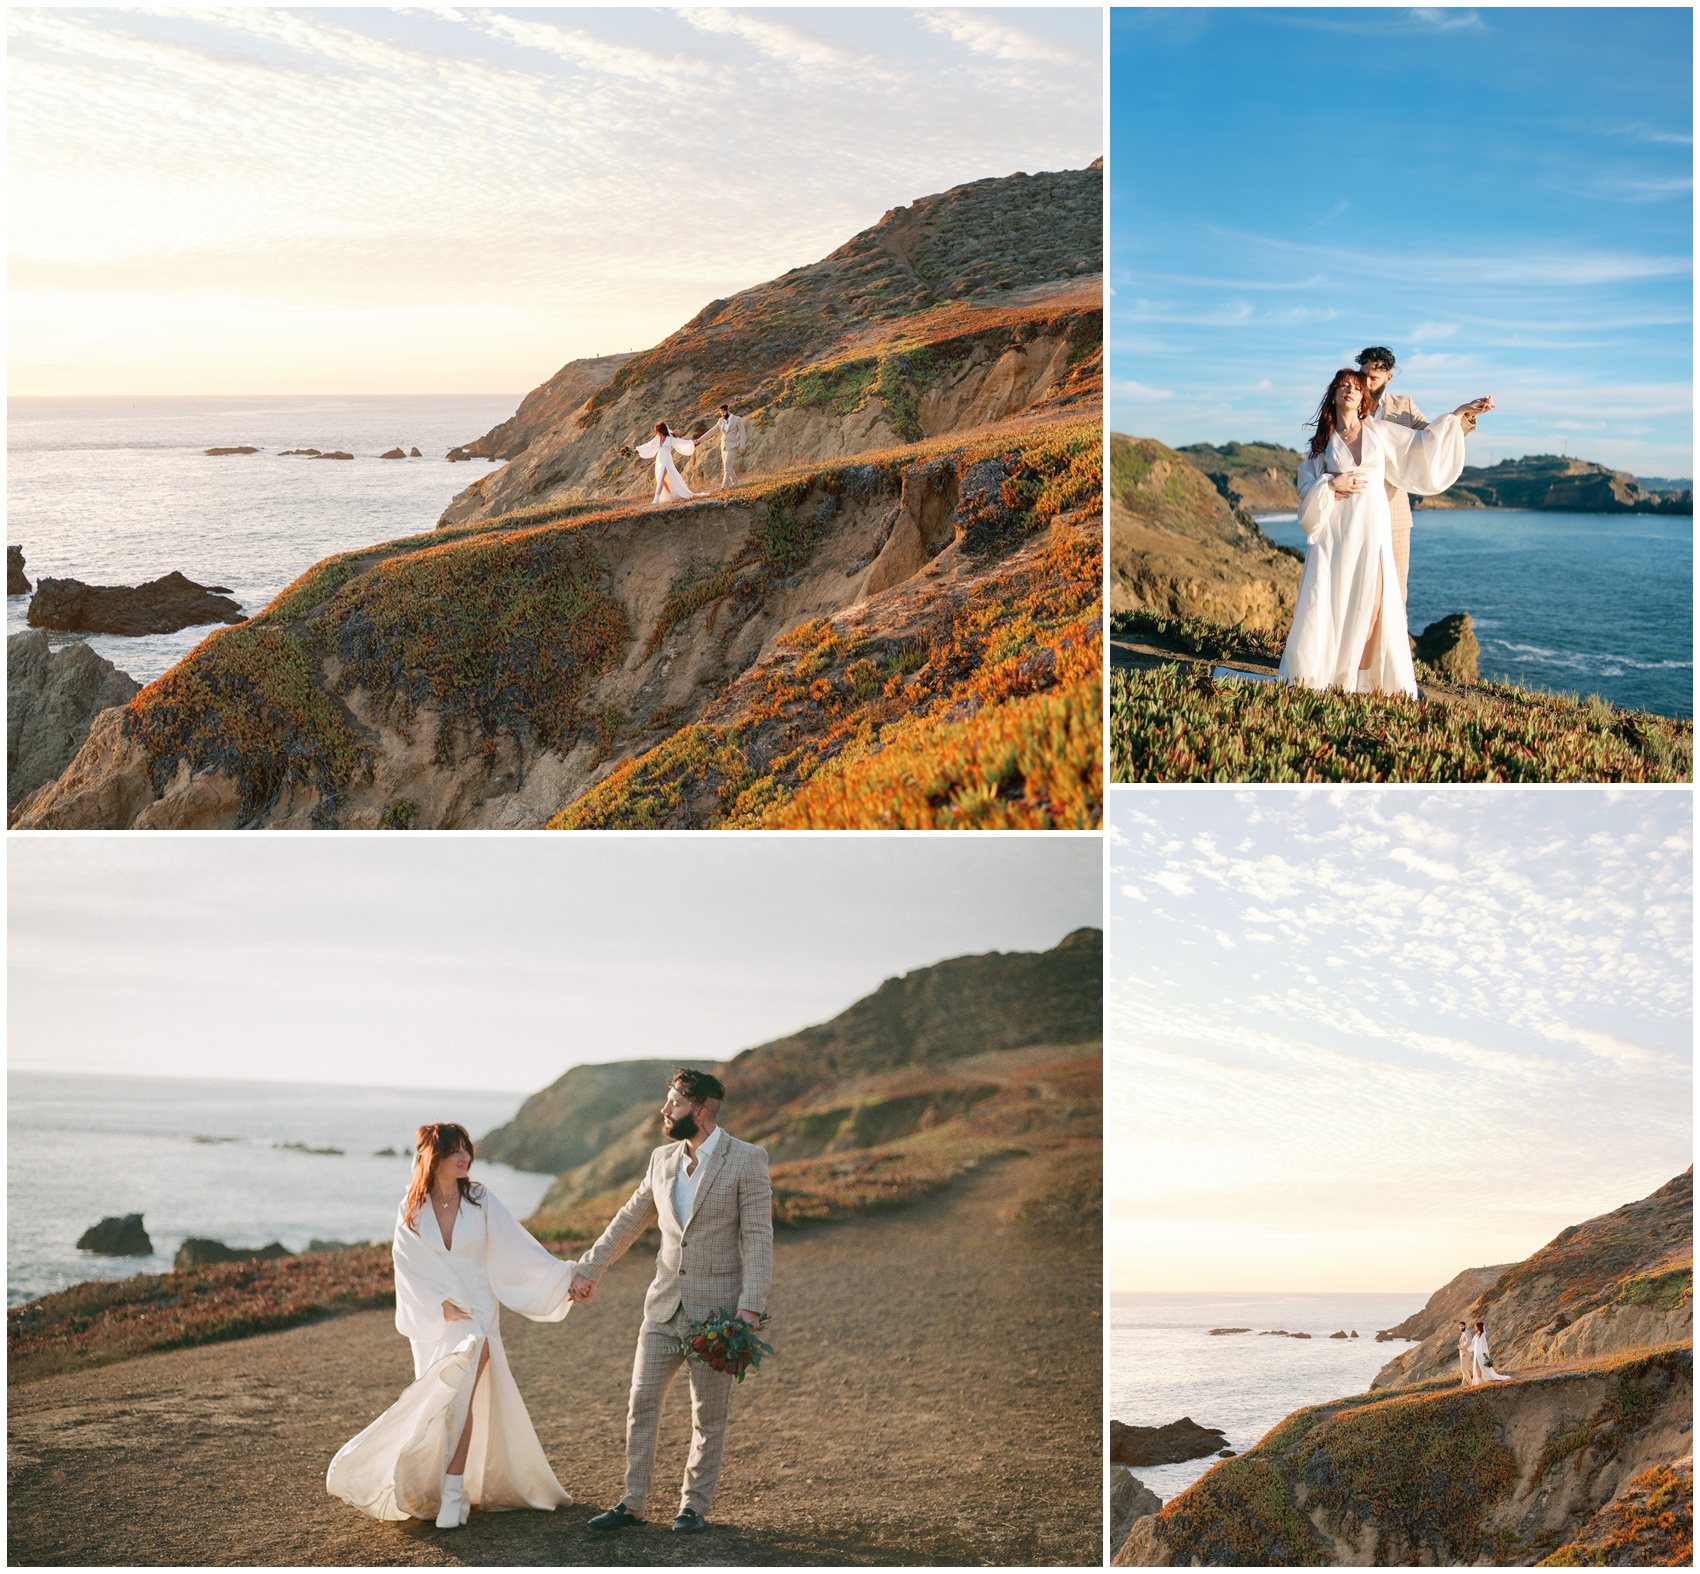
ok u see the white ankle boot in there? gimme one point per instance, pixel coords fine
(452, 1515)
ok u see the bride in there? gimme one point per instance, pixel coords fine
(460, 1434)
(1484, 1372)
(669, 484)
(1349, 625)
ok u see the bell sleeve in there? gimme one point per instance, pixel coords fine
(1424, 462)
(525, 1277)
(684, 445)
(1316, 496)
(423, 1281)
(648, 450)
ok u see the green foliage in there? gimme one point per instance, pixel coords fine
(399, 814)
(1178, 725)
(248, 703)
(1240, 1514)
(902, 380)
(843, 388)
(1198, 636)
(1666, 1292)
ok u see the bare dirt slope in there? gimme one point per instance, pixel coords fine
(961, 1427)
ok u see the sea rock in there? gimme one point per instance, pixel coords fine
(1130, 1499)
(413, 453)
(312, 452)
(51, 698)
(117, 1235)
(161, 606)
(1280, 1333)
(1230, 1330)
(1173, 1444)
(338, 454)
(1341, 1335)
(1354, 1333)
(244, 449)
(16, 584)
(1450, 647)
(394, 453)
(198, 1252)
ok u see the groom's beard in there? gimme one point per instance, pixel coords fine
(681, 1127)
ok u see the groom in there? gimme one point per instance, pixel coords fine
(710, 1194)
(1376, 363)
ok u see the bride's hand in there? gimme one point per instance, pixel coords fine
(1349, 484)
(453, 1314)
(1476, 406)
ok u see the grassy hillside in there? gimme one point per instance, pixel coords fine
(1175, 722)
(1261, 478)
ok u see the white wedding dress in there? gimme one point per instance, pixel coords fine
(394, 1469)
(668, 482)
(1484, 1368)
(1350, 539)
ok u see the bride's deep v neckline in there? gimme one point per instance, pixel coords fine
(446, 1235)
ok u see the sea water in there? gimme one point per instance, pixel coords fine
(1570, 603)
(116, 491)
(229, 1161)
(1164, 1363)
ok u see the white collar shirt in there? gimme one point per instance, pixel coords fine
(685, 1185)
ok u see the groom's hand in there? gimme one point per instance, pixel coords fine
(582, 1289)
(752, 1318)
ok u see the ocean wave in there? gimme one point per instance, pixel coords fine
(1599, 662)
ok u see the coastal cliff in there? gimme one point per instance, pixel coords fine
(1179, 548)
(1562, 484)
(1586, 1458)
(961, 310)
(880, 627)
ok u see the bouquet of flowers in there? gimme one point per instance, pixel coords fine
(726, 1343)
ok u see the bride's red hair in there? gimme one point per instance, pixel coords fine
(1324, 421)
(431, 1145)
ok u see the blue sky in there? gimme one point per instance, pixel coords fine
(1503, 197)
(1364, 1040)
(438, 200)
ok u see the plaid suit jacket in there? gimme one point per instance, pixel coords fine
(721, 1259)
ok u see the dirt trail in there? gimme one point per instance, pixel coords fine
(973, 1438)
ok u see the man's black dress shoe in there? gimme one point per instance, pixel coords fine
(615, 1518)
(689, 1522)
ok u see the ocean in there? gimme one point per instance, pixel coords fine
(227, 1160)
(115, 491)
(1164, 1363)
(1570, 603)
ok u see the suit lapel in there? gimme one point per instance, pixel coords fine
(669, 1171)
(711, 1173)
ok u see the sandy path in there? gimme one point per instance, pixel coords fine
(974, 1439)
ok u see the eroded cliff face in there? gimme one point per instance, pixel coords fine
(958, 311)
(1178, 549)
(495, 676)
(1621, 1281)
(1517, 1473)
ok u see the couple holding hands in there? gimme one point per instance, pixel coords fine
(669, 484)
(460, 1437)
(1368, 450)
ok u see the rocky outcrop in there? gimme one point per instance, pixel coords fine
(51, 698)
(958, 311)
(1451, 648)
(338, 454)
(16, 583)
(413, 453)
(213, 453)
(117, 1235)
(1562, 484)
(543, 410)
(1130, 1499)
(1447, 1306)
(1173, 1444)
(881, 1070)
(197, 1252)
(1622, 1281)
(1177, 548)
(575, 1118)
(1508, 1474)
(161, 606)
(1255, 478)
(394, 453)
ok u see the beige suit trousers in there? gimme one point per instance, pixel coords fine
(660, 1353)
(1467, 1370)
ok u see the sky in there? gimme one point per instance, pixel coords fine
(1361, 1041)
(500, 961)
(428, 200)
(1503, 197)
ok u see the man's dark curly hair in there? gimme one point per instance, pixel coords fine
(1376, 355)
(700, 1087)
